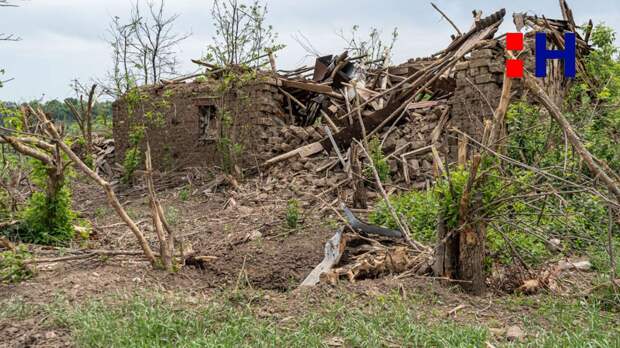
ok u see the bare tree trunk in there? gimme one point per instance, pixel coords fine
(470, 268)
(447, 251)
(460, 252)
(166, 247)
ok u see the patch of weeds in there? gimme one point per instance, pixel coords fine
(172, 215)
(331, 223)
(184, 194)
(13, 267)
(604, 295)
(16, 309)
(100, 212)
(573, 323)
(420, 210)
(292, 214)
(229, 320)
(379, 160)
(153, 321)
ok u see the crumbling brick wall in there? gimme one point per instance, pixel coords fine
(174, 116)
(479, 80)
(478, 90)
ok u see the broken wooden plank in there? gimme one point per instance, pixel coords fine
(335, 146)
(304, 151)
(311, 87)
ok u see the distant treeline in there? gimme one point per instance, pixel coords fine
(59, 111)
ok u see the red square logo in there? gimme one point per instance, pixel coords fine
(514, 41)
(514, 68)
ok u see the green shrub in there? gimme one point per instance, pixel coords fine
(47, 220)
(228, 149)
(133, 155)
(420, 210)
(48, 217)
(132, 161)
(13, 267)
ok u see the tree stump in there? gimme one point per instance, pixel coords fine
(460, 252)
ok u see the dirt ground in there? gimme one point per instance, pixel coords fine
(244, 233)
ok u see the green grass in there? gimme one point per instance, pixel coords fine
(241, 319)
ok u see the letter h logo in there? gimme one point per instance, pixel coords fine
(514, 67)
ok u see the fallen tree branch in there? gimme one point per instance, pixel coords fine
(448, 19)
(89, 254)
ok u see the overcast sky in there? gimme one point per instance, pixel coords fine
(65, 39)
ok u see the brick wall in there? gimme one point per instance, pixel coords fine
(172, 116)
(478, 89)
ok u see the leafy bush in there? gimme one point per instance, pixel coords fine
(48, 220)
(48, 217)
(132, 161)
(593, 102)
(13, 268)
(420, 210)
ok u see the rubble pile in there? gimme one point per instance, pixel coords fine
(306, 130)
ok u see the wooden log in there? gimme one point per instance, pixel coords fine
(334, 248)
(462, 149)
(446, 252)
(335, 146)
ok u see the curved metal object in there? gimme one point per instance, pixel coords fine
(364, 228)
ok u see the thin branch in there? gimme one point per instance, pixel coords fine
(448, 19)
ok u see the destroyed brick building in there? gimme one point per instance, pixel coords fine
(318, 109)
(185, 121)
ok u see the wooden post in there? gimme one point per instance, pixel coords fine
(272, 61)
